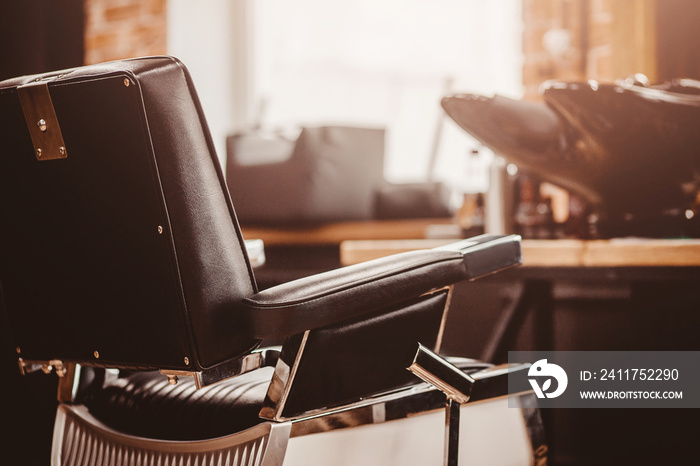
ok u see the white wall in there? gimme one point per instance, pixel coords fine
(387, 63)
(210, 37)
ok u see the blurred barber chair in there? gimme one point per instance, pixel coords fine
(124, 272)
(628, 148)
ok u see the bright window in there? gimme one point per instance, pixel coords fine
(386, 63)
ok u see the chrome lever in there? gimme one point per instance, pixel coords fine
(460, 388)
(457, 387)
(435, 370)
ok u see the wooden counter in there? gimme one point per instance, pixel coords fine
(623, 252)
(338, 232)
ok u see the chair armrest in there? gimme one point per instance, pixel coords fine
(487, 254)
(344, 293)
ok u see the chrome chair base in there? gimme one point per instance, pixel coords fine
(491, 433)
(402, 427)
(80, 439)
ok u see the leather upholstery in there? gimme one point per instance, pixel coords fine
(82, 255)
(145, 404)
(348, 292)
(213, 263)
(370, 355)
(128, 253)
(140, 156)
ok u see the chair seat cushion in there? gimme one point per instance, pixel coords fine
(146, 405)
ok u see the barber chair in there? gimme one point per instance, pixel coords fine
(627, 148)
(123, 270)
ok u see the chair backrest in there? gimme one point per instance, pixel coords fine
(119, 245)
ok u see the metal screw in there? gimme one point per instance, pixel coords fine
(160, 230)
(127, 82)
(187, 361)
(38, 152)
(172, 379)
(96, 354)
(19, 350)
(41, 124)
(62, 150)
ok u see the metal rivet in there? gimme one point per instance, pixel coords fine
(19, 350)
(38, 152)
(172, 379)
(62, 150)
(41, 124)
(187, 361)
(160, 230)
(96, 354)
(127, 82)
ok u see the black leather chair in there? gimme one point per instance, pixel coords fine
(123, 270)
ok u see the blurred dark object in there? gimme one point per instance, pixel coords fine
(533, 216)
(412, 200)
(326, 174)
(628, 149)
(471, 216)
(329, 173)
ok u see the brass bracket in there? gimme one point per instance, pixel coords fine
(26, 367)
(266, 357)
(41, 121)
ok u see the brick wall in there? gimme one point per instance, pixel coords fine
(610, 39)
(600, 45)
(539, 17)
(605, 36)
(116, 29)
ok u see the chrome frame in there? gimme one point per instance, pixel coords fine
(265, 357)
(457, 387)
(72, 438)
(455, 384)
(81, 439)
(441, 389)
(443, 323)
(283, 378)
